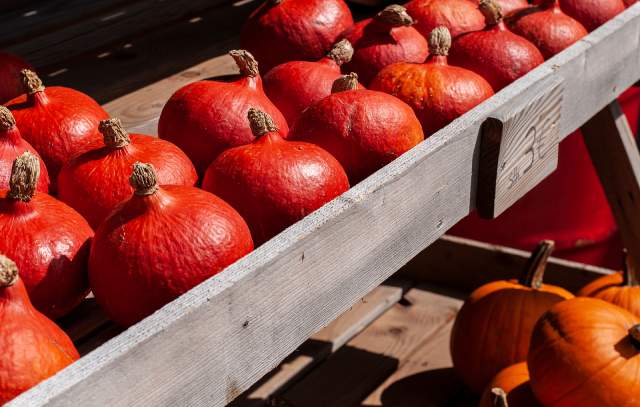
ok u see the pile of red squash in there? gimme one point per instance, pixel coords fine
(320, 104)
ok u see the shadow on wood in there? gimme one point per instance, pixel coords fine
(439, 387)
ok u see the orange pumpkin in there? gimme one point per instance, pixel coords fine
(510, 387)
(33, 347)
(621, 289)
(586, 352)
(493, 328)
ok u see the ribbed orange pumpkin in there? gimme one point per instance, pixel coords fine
(585, 352)
(493, 328)
(621, 289)
(510, 387)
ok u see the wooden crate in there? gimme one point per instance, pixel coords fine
(216, 341)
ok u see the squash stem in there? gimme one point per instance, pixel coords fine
(634, 334)
(534, 269)
(345, 83)
(24, 177)
(499, 397)
(7, 122)
(630, 272)
(8, 272)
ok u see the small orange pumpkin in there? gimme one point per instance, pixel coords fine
(510, 387)
(621, 289)
(586, 352)
(493, 328)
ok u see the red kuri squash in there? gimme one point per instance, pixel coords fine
(586, 352)
(384, 40)
(95, 182)
(47, 239)
(60, 123)
(207, 117)
(591, 13)
(510, 6)
(33, 347)
(294, 30)
(363, 129)
(159, 244)
(10, 81)
(437, 92)
(12, 145)
(273, 182)
(294, 86)
(495, 53)
(498, 318)
(459, 16)
(547, 27)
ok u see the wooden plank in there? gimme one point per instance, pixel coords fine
(614, 153)
(465, 264)
(518, 149)
(125, 21)
(45, 17)
(215, 341)
(371, 357)
(324, 343)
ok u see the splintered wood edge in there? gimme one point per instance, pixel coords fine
(215, 341)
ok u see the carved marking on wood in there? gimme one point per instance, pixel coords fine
(518, 150)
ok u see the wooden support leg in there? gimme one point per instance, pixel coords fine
(616, 158)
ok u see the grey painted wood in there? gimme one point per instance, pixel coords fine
(614, 152)
(208, 346)
(518, 149)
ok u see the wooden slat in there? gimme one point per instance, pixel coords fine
(374, 355)
(614, 153)
(127, 20)
(465, 264)
(324, 343)
(215, 341)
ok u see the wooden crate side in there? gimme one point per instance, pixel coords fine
(465, 264)
(211, 344)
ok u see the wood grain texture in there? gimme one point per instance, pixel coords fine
(519, 148)
(374, 355)
(614, 153)
(465, 264)
(322, 344)
(127, 20)
(215, 341)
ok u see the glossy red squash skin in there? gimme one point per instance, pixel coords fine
(60, 123)
(10, 82)
(157, 246)
(547, 27)
(12, 145)
(437, 92)
(207, 117)
(274, 182)
(459, 16)
(95, 182)
(382, 41)
(49, 241)
(33, 347)
(591, 13)
(363, 129)
(294, 30)
(294, 86)
(510, 6)
(495, 53)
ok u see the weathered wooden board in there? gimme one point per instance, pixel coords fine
(370, 358)
(518, 149)
(126, 20)
(322, 344)
(208, 346)
(614, 152)
(465, 264)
